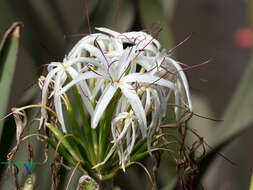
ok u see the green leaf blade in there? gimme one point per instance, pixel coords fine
(8, 58)
(251, 183)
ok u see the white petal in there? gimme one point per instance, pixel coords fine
(184, 80)
(146, 62)
(72, 72)
(117, 45)
(137, 106)
(123, 132)
(86, 60)
(107, 157)
(85, 40)
(45, 88)
(147, 78)
(114, 124)
(83, 90)
(176, 93)
(102, 104)
(142, 37)
(155, 117)
(133, 137)
(84, 76)
(57, 102)
(124, 61)
(163, 101)
(148, 100)
(107, 31)
(53, 65)
(98, 54)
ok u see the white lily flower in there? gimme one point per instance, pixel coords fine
(58, 73)
(118, 78)
(118, 133)
(100, 65)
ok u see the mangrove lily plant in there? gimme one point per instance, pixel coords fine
(105, 102)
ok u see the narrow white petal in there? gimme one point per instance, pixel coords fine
(53, 65)
(45, 88)
(176, 102)
(148, 100)
(72, 72)
(163, 100)
(142, 37)
(57, 102)
(124, 61)
(119, 117)
(133, 137)
(147, 78)
(108, 31)
(146, 62)
(117, 45)
(137, 106)
(114, 125)
(85, 40)
(97, 53)
(184, 80)
(86, 60)
(107, 156)
(102, 104)
(83, 90)
(121, 105)
(123, 132)
(155, 117)
(81, 77)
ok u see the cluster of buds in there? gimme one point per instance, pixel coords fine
(124, 83)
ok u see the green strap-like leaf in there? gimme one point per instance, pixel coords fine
(251, 183)
(8, 58)
(239, 113)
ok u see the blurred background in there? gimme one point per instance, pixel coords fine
(222, 33)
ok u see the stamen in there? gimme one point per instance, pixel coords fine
(99, 47)
(87, 16)
(116, 16)
(156, 35)
(180, 43)
(195, 66)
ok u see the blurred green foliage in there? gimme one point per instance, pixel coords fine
(8, 57)
(251, 183)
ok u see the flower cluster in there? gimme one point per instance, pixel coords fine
(127, 69)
